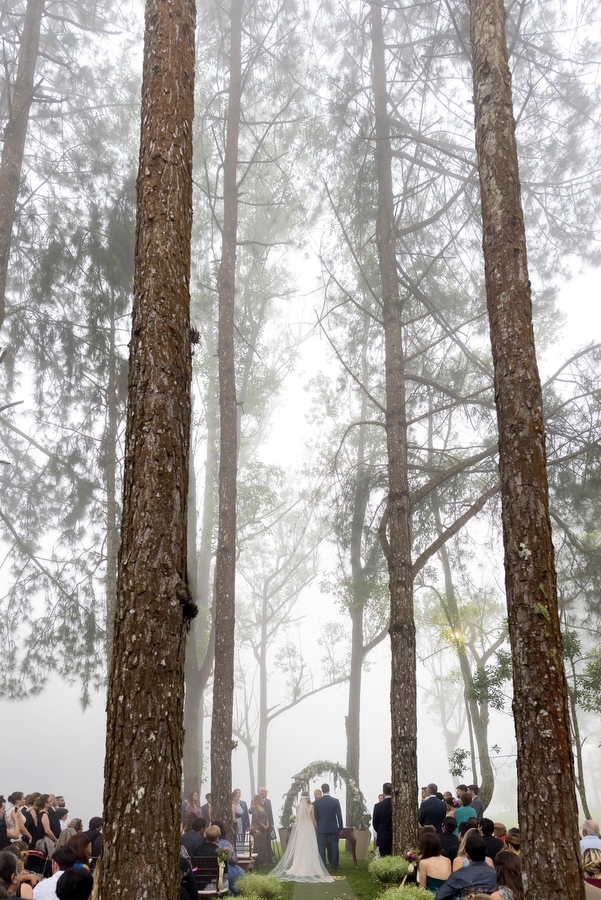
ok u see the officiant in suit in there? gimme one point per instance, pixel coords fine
(328, 816)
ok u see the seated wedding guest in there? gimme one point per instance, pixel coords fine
(193, 839)
(493, 844)
(500, 831)
(210, 848)
(591, 863)
(590, 835)
(451, 805)
(464, 812)
(434, 868)
(65, 837)
(75, 824)
(75, 884)
(512, 841)
(508, 868)
(461, 860)
(234, 871)
(8, 871)
(448, 839)
(26, 880)
(82, 845)
(477, 874)
(187, 885)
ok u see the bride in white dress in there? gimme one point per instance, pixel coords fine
(301, 861)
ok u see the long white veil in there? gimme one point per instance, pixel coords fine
(301, 861)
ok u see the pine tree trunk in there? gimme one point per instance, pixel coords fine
(112, 529)
(146, 683)
(15, 132)
(547, 809)
(225, 569)
(402, 624)
(192, 760)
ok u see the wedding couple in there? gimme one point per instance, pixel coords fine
(316, 828)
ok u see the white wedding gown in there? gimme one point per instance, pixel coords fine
(301, 861)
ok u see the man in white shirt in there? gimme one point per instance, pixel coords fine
(63, 859)
(590, 836)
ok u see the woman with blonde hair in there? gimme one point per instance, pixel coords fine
(591, 863)
(461, 859)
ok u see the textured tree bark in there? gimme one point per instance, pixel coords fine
(146, 685)
(15, 132)
(402, 624)
(225, 567)
(547, 808)
(112, 528)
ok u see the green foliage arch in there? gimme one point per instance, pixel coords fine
(358, 810)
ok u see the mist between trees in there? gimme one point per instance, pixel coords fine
(336, 227)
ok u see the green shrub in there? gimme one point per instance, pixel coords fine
(409, 892)
(263, 886)
(389, 869)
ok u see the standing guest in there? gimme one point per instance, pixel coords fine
(328, 816)
(382, 821)
(493, 844)
(448, 839)
(451, 804)
(316, 794)
(267, 807)
(464, 812)
(15, 821)
(238, 812)
(205, 810)
(60, 801)
(263, 835)
(95, 834)
(476, 802)
(432, 811)
(434, 868)
(476, 875)
(55, 822)
(75, 824)
(192, 804)
(48, 838)
(590, 835)
(380, 797)
(194, 838)
(461, 789)
(74, 884)
(62, 860)
(62, 814)
(65, 837)
(5, 834)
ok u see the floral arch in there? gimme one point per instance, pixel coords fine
(360, 817)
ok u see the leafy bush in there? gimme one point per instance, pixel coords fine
(263, 886)
(389, 869)
(409, 892)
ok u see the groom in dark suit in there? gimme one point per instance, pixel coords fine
(328, 816)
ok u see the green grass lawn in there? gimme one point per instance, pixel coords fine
(363, 885)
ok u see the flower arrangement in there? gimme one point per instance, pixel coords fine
(412, 857)
(389, 869)
(263, 886)
(223, 855)
(359, 814)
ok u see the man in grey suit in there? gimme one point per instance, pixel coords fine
(328, 816)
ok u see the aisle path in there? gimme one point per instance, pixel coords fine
(330, 890)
